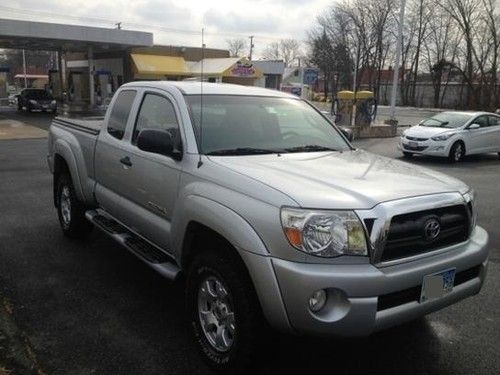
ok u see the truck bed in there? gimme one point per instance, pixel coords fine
(91, 124)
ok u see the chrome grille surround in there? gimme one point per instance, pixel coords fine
(381, 215)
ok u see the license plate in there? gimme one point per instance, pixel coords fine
(413, 144)
(45, 106)
(437, 285)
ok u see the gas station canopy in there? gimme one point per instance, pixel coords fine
(59, 37)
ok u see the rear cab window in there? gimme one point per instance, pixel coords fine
(120, 113)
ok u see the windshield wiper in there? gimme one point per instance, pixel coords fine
(309, 148)
(242, 151)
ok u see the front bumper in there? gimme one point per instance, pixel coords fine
(43, 106)
(355, 291)
(428, 147)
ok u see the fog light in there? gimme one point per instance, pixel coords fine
(317, 300)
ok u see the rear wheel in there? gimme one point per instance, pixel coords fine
(407, 155)
(70, 210)
(457, 152)
(224, 312)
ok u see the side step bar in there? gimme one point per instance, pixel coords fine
(153, 256)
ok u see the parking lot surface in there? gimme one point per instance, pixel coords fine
(91, 307)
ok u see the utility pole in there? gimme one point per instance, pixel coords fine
(399, 46)
(251, 47)
(355, 84)
(24, 70)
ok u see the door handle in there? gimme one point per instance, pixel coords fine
(126, 161)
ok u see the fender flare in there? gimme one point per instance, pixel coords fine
(247, 243)
(220, 219)
(63, 149)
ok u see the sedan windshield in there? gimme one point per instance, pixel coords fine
(38, 95)
(245, 125)
(447, 120)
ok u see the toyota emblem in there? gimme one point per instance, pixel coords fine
(432, 228)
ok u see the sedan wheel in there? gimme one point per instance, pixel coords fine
(457, 152)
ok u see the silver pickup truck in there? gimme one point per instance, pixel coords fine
(270, 214)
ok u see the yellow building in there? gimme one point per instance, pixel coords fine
(238, 70)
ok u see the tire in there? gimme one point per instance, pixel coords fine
(407, 155)
(457, 152)
(70, 210)
(232, 291)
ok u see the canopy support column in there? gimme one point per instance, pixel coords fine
(90, 57)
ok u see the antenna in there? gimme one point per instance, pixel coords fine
(200, 162)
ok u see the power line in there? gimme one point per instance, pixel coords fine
(110, 22)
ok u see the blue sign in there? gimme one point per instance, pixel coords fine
(310, 76)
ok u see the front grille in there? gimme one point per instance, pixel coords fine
(402, 297)
(417, 148)
(417, 139)
(407, 237)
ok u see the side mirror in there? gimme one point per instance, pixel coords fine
(157, 142)
(347, 133)
(474, 126)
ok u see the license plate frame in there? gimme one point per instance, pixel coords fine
(437, 285)
(413, 144)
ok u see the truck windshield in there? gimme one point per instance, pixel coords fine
(238, 125)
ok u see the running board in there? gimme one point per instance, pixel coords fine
(153, 256)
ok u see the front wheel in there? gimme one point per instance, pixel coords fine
(224, 312)
(407, 155)
(457, 152)
(70, 210)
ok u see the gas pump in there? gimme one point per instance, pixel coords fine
(366, 108)
(342, 106)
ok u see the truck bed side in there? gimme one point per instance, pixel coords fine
(73, 141)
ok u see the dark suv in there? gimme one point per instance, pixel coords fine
(36, 99)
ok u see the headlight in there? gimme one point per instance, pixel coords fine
(470, 199)
(33, 101)
(324, 233)
(443, 137)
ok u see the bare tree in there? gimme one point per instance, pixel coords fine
(236, 47)
(287, 50)
(447, 39)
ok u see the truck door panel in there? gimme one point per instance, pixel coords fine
(110, 149)
(153, 179)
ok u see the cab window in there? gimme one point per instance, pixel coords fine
(494, 120)
(481, 121)
(119, 114)
(156, 112)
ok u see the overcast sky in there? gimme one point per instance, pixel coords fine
(181, 20)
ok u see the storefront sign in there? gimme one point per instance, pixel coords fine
(310, 76)
(243, 69)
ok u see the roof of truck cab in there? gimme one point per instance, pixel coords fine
(209, 88)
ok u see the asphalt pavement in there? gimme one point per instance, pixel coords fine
(92, 308)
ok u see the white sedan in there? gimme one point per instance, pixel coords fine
(453, 135)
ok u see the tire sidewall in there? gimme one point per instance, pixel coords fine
(199, 271)
(453, 150)
(62, 182)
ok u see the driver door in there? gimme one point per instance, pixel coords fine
(479, 138)
(494, 130)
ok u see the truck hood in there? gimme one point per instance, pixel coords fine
(340, 180)
(427, 131)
